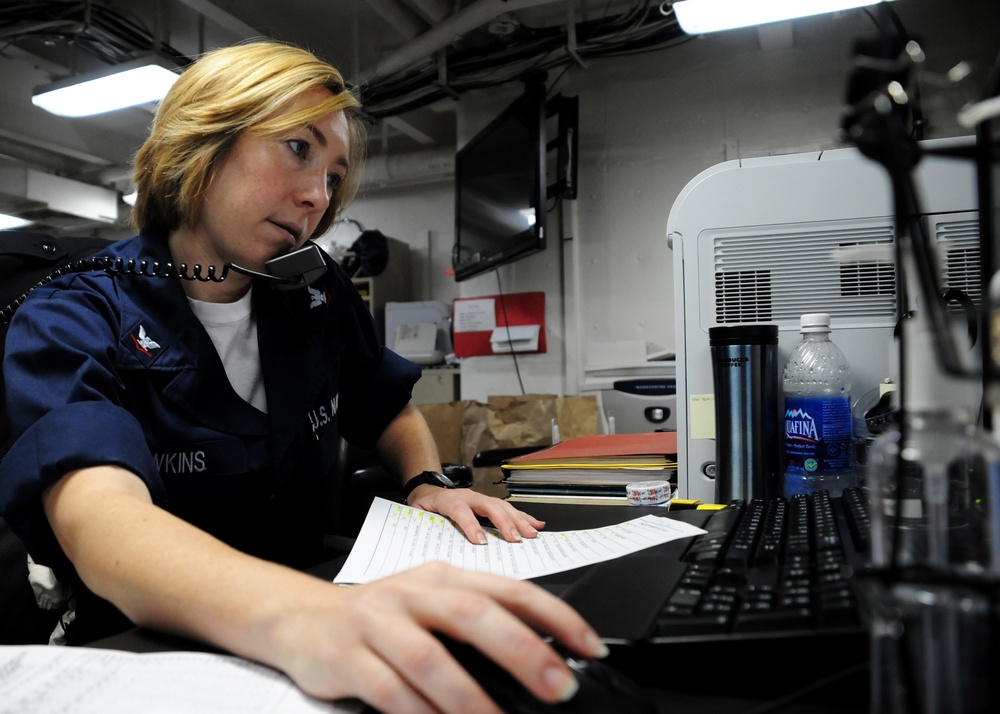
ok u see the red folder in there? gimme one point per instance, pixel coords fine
(604, 447)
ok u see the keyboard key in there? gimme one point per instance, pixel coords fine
(710, 624)
(685, 597)
(795, 619)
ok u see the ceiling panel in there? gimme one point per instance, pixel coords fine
(475, 44)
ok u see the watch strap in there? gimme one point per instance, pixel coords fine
(435, 478)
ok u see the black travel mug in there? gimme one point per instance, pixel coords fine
(745, 373)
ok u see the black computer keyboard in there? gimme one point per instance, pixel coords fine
(774, 567)
(765, 568)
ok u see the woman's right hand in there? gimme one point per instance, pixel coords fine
(376, 642)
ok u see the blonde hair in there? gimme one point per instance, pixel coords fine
(227, 92)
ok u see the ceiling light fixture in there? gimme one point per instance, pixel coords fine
(141, 80)
(7, 222)
(697, 17)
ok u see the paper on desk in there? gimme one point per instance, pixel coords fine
(41, 679)
(396, 537)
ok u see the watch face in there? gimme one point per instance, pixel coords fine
(441, 479)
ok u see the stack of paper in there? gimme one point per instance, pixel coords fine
(43, 679)
(594, 469)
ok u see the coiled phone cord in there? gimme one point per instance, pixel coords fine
(121, 266)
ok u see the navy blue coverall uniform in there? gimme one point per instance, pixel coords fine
(114, 369)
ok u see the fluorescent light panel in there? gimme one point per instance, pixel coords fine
(143, 80)
(697, 17)
(7, 222)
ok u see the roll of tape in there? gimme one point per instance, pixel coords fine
(647, 493)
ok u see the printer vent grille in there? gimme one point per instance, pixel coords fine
(743, 296)
(958, 241)
(777, 273)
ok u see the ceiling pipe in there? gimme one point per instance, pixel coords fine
(212, 11)
(419, 167)
(38, 157)
(60, 194)
(114, 174)
(401, 18)
(442, 35)
(434, 11)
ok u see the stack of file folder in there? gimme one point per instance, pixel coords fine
(592, 469)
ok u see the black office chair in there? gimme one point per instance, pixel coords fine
(361, 479)
(26, 259)
(22, 621)
(496, 457)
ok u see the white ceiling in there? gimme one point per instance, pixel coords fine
(392, 49)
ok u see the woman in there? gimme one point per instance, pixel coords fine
(174, 450)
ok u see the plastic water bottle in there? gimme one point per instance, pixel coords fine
(933, 504)
(818, 421)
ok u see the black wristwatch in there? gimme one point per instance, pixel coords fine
(435, 478)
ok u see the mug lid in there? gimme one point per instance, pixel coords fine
(752, 334)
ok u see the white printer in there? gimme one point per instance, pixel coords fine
(635, 385)
(419, 331)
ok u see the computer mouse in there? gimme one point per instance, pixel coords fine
(603, 690)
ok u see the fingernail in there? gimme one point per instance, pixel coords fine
(563, 682)
(599, 649)
(515, 534)
(481, 538)
(533, 531)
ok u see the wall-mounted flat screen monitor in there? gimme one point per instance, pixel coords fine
(501, 188)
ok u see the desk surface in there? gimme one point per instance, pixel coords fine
(702, 677)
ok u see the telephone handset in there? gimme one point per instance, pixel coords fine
(293, 270)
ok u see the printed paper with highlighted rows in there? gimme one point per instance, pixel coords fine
(396, 537)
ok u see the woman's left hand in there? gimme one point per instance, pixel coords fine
(465, 506)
